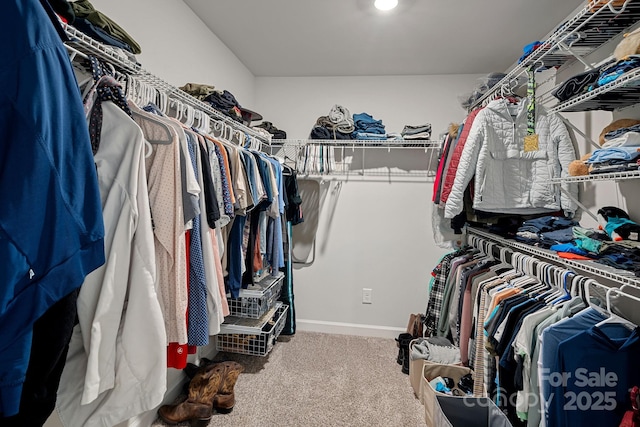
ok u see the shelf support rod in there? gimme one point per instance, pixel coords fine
(583, 207)
(575, 55)
(578, 131)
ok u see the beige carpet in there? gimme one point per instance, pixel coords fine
(314, 379)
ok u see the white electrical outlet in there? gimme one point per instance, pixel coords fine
(366, 296)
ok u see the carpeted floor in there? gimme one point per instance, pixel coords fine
(314, 379)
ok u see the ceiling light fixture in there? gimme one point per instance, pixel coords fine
(385, 4)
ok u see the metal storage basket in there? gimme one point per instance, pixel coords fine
(250, 336)
(254, 303)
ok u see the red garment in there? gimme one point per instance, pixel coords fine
(443, 160)
(177, 355)
(570, 255)
(450, 173)
(257, 256)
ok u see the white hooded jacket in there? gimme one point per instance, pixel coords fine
(509, 178)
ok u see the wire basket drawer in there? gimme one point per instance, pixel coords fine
(252, 337)
(254, 303)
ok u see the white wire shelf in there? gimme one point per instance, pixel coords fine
(253, 340)
(591, 267)
(611, 176)
(256, 301)
(263, 285)
(580, 35)
(620, 93)
(356, 159)
(246, 325)
(358, 143)
(90, 46)
(375, 175)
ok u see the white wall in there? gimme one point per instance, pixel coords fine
(294, 103)
(371, 234)
(178, 47)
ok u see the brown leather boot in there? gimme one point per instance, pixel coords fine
(225, 399)
(197, 409)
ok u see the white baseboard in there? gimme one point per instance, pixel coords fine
(348, 328)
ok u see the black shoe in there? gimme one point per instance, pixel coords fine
(400, 357)
(403, 341)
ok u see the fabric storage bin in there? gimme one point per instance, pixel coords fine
(415, 373)
(441, 410)
(416, 369)
(468, 412)
(429, 372)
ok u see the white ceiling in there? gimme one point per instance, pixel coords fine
(350, 38)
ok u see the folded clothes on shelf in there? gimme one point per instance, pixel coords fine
(338, 124)
(394, 136)
(341, 118)
(614, 153)
(623, 137)
(569, 248)
(365, 123)
(321, 132)
(615, 71)
(84, 25)
(84, 9)
(578, 84)
(367, 136)
(269, 127)
(486, 83)
(529, 49)
(226, 103)
(416, 129)
(613, 166)
(418, 136)
(546, 231)
(198, 90)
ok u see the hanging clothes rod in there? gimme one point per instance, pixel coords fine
(85, 44)
(588, 267)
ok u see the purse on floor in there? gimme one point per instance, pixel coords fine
(415, 325)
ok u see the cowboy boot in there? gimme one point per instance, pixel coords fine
(197, 409)
(224, 401)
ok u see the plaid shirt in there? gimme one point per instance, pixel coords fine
(434, 305)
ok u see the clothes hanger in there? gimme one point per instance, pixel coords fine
(198, 120)
(141, 116)
(150, 94)
(613, 9)
(559, 281)
(223, 135)
(163, 102)
(137, 91)
(614, 318)
(176, 106)
(587, 295)
(240, 136)
(142, 93)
